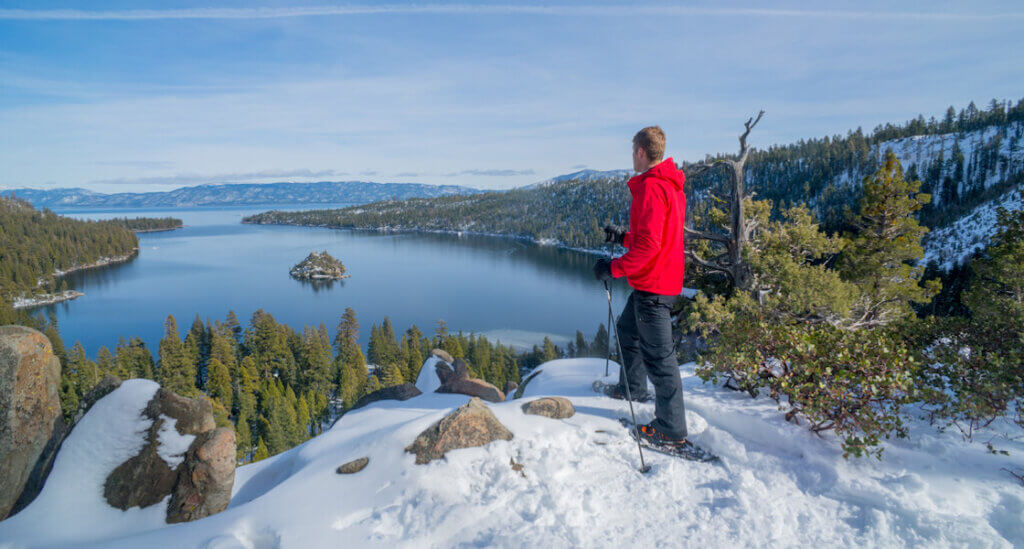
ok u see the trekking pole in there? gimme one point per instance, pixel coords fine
(644, 468)
(608, 358)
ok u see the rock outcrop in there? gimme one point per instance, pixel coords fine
(552, 407)
(30, 414)
(472, 424)
(184, 456)
(404, 391)
(455, 379)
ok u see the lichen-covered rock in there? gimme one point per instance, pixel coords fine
(404, 391)
(473, 387)
(44, 465)
(30, 414)
(205, 478)
(472, 424)
(552, 407)
(353, 466)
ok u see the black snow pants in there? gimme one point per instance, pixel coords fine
(645, 334)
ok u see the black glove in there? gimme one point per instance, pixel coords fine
(603, 269)
(614, 233)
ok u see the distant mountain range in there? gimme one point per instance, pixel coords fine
(238, 194)
(585, 176)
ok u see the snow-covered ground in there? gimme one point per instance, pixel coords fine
(957, 242)
(780, 485)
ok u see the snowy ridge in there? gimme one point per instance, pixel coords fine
(780, 484)
(921, 151)
(956, 243)
(585, 176)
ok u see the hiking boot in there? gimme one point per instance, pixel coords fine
(614, 391)
(655, 436)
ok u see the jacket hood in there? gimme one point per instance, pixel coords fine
(666, 171)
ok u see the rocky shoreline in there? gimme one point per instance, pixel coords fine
(39, 300)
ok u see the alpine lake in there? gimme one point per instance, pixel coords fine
(503, 288)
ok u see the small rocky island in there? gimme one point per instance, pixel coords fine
(319, 266)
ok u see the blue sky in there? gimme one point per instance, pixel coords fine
(124, 96)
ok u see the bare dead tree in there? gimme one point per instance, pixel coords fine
(730, 262)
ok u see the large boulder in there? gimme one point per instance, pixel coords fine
(44, 464)
(473, 387)
(30, 414)
(552, 407)
(404, 391)
(472, 424)
(455, 379)
(206, 477)
(184, 456)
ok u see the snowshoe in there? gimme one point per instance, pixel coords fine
(652, 439)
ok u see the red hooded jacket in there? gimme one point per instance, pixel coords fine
(655, 258)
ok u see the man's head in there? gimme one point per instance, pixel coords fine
(648, 148)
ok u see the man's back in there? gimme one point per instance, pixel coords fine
(655, 261)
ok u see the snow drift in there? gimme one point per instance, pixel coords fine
(779, 484)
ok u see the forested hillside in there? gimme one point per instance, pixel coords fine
(963, 160)
(34, 245)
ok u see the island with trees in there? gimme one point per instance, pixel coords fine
(319, 266)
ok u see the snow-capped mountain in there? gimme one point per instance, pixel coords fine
(235, 194)
(584, 176)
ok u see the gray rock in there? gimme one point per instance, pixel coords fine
(353, 466)
(461, 369)
(510, 388)
(443, 355)
(473, 387)
(30, 414)
(552, 407)
(444, 371)
(472, 424)
(404, 391)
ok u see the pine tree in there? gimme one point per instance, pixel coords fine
(879, 258)
(219, 384)
(177, 373)
(243, 438)
(549, 350)
(303, 417)
(582, 349)
(105, 363)
(599, 346)
(261, 451)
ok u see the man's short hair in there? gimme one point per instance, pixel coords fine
(652, 140)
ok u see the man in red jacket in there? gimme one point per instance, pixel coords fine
(653, 265)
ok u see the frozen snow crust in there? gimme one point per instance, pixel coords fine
(780, 485)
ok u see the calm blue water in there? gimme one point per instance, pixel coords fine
(508, 289)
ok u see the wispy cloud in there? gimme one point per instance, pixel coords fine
(491, 173)
(239, 177)
(579, 167)
(467, 9)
